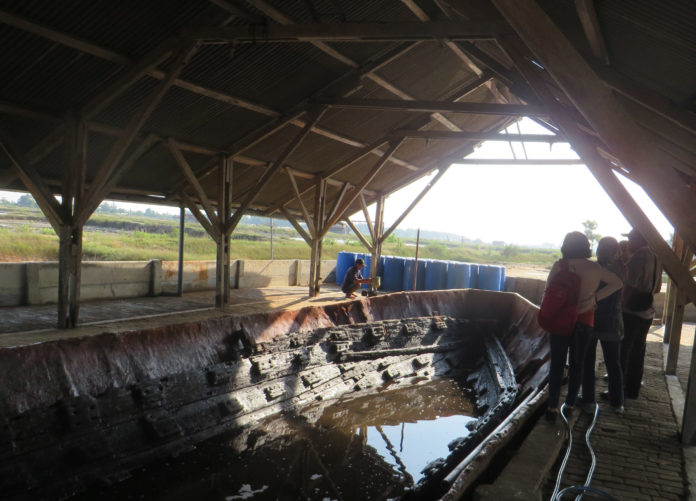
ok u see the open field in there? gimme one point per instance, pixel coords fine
(25, 235)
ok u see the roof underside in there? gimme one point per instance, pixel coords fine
(230, 92)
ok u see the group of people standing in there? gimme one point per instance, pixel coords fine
(615, 308)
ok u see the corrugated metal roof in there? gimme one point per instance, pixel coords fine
(651, 43)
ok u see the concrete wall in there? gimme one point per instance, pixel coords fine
(37, 283)
(533, 289)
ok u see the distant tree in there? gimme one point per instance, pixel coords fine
(590, 226)
(27, 201)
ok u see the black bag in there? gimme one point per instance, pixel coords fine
(641, 301)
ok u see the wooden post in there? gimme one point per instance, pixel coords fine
(415, 267)
(672, 292)
(222, 263)
(677, 315)
(180, 271)
(315, 259)
(377, 243)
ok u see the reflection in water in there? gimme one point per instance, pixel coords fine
(372, 447)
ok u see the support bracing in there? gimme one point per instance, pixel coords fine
(222, 263)
(316, 243)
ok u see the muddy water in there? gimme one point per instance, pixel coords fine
(372, 447)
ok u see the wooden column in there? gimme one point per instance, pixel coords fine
(317, 237)
(70, 234)
(222, 263)
(379, 231)
(180, 271)
(676, 312)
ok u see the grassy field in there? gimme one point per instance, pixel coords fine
(26, 236)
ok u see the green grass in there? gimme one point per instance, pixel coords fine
(27, 240)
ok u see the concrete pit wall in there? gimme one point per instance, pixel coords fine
(37, 283)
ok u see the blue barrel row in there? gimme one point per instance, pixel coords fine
(397, 273)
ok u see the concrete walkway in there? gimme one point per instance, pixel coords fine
(639, 454)
(34, 324)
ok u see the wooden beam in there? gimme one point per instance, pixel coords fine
(338, 200)
(118, 149)
(109, 55)
(604, 113)
(33, 182)
(513, 110)
(520, 161)
(367, 179)
(593, 32)
(647, 98)
(677, 316)
(477, 136)
(124, 167)
(205, 223)
(368, 221)
(263, 181)
(336, 32)
(415, 202)
(344, 85)
(293, 221)
(193, 181)
(305, 213)
(420, 122)
(379, 228)
(603, 172)
(358, 234)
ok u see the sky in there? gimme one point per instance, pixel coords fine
(522, 205)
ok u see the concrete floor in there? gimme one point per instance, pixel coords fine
(34, 324)
(639, 455)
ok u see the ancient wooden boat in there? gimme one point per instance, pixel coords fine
(83, 413)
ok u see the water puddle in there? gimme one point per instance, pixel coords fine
(372, 447)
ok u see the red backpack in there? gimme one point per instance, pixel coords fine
(559, 306)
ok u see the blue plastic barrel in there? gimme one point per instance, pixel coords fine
(458, 275)
(489, 278)
(474, 276)
(409, 270)
(393, 273)
(344, 260)
(436, 275)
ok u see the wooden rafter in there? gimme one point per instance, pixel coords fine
(339, 198)
(335, 32)
(263, 180)
(516, 110)
(355, 193)
(604, 113)
(593, 32)
(415, 202)
(293, 221)
(358, 234)
(118, 149)
(368, 219)
(92, 203)
(193, 181)
(478, 136)
(305, 213)
(213, 231)
(32, 180)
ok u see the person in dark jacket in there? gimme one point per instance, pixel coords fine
(354, 279)
(643, 281)
(608, 329)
